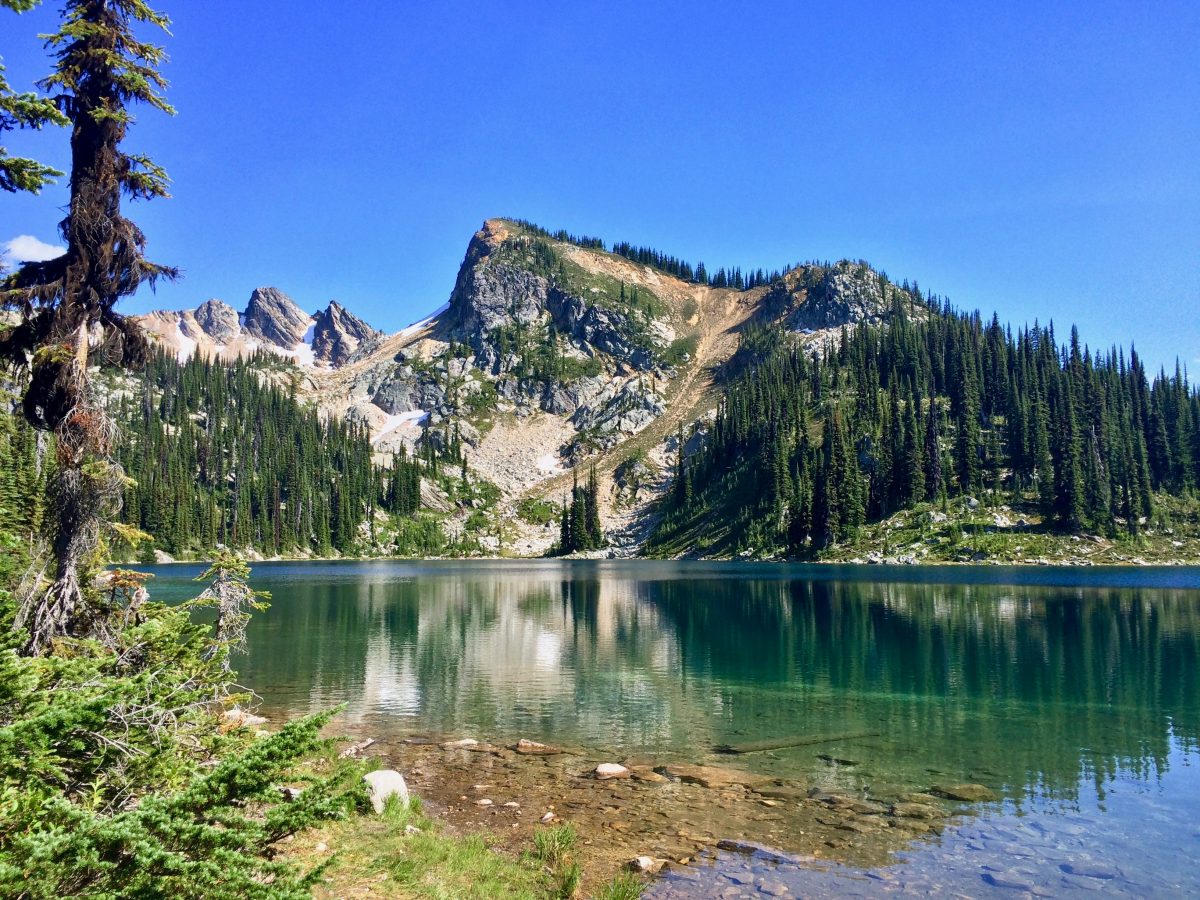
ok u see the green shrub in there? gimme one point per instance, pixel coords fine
(538, 511)
(117, 778)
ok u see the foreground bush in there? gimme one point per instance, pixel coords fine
(117, 778)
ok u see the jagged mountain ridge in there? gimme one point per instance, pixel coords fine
(271, 321)
(549, 356)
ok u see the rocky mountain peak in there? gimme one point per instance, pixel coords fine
(519, 289)
(218, 320)
(818, 297)
(338, 335)
(272, 316)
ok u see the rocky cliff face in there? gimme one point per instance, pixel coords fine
(339, 334)
(814, 298)
(216, 320)
(273, 317)
(509, 280)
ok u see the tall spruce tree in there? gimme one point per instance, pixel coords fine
(66, 306)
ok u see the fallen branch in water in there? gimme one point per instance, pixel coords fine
(794, 741)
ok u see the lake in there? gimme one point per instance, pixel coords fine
(1071, 695)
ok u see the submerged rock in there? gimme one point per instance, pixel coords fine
(714, 777)
(1091, 868)
(646, 774)
(915, 811)
(966, 793)
(533, 748)
(605, 771)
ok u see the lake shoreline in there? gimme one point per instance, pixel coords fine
(997, 562)
(660, 817)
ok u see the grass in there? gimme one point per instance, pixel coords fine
(403, 854)
(1173, 534)
(435, 866)
(622, 887)
(554, 846)
(680, 350)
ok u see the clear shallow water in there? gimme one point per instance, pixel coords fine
(1073, 694)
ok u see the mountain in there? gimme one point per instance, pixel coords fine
(686, 412)
(551, 356)
(338, 335)
(271, 322)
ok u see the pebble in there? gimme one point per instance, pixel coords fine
(483, 802)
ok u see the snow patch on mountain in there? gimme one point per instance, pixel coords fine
(424, 323)
(398, 420)
(186, 346)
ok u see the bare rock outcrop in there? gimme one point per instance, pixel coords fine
(338, 335)
(272, 316)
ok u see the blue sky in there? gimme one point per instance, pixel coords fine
(1040, 160)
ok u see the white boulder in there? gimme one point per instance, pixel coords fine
(383, 784)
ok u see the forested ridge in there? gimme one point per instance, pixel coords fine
(664, 262)
(807, 447)
(219, 454)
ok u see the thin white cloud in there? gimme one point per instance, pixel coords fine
(27, 248)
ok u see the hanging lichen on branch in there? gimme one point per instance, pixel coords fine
(230, 592)
(65, 307)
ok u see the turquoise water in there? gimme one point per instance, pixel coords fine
(1073, 694)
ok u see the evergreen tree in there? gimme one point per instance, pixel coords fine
(69, 301)
(1086, 435)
